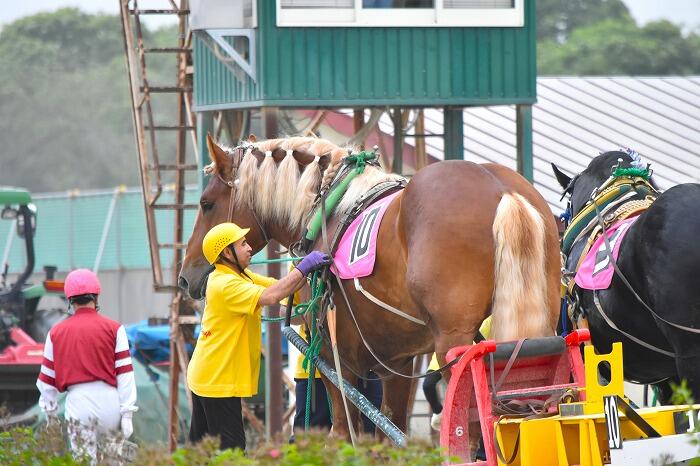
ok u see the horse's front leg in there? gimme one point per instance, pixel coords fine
(340, 420)
(396, 393)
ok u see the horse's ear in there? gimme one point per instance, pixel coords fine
(217, 154)
(252, 138)
(562, 178)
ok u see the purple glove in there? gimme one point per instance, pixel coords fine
(313, 261)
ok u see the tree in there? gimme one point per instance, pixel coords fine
(615, 47)
(557, 19)
(65, 102)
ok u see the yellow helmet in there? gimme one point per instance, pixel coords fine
(219, 237)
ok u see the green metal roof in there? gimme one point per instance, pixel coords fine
(14, 196)
(356, 67)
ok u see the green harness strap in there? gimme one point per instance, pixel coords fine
(623, 181)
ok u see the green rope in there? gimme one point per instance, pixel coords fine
(299, 310)
(360, 159)
(315, 340)
(309, 388)
(632, 172)
(276, 261)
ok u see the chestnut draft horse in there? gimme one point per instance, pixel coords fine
(461, 242)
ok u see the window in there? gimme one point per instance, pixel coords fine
(392, 13)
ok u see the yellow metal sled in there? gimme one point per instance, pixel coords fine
(603, 429)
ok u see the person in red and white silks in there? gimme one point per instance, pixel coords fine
(88, 356)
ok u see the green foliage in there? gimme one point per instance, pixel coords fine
(312, 449)
(622, 48)
(23, 446)
(557, 19)
(683, 395)
(599, 37)
(66, 116)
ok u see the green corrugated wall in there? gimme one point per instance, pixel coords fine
(306, 67)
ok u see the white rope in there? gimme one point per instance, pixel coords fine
(383, 305)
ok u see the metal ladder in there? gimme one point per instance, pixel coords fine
(154, 167)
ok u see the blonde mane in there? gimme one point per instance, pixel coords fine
(284, 192)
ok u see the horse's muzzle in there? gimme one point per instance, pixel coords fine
(182, 283)
(194, 280)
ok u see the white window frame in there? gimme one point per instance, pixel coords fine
(398, 17)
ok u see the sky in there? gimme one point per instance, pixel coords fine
(685, 12)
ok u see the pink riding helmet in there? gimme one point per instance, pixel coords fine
(80, 282)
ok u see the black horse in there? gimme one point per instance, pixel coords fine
(660, 259)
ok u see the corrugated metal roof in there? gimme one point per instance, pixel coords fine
(577, 118)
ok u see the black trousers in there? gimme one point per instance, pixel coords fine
(218, 417)
(430, 390)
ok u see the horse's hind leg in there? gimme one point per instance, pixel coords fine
(664, 392)
(689, 369)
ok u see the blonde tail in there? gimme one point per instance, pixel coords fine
(520, 288)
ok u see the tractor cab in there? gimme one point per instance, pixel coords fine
(24, 318)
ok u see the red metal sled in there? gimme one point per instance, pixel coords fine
(544, 367)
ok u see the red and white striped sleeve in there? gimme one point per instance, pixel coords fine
(126, 385)
(46, 383)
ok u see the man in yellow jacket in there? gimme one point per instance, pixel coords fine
(225, 364)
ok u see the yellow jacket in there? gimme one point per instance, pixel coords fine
(226, 360)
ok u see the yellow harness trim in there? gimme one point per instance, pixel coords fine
(610, 190)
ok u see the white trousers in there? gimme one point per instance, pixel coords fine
(93, 414)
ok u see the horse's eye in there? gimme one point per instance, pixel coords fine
(206, 205)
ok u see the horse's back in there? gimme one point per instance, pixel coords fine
(667, 251)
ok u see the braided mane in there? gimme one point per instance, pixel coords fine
(282, 186)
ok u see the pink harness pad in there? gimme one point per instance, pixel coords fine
(596, 271)
(357, 249)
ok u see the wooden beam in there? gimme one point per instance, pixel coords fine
(421, 155)
(205, 125)
(313, 125)
(273, 341)
(358, 121)
(397, 165)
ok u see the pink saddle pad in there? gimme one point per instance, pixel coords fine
(357, 249)
(596, 270)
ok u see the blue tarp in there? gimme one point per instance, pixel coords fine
(151, 343)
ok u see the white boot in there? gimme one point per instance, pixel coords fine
(435, 421)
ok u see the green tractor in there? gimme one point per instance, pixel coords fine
(23, 325)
